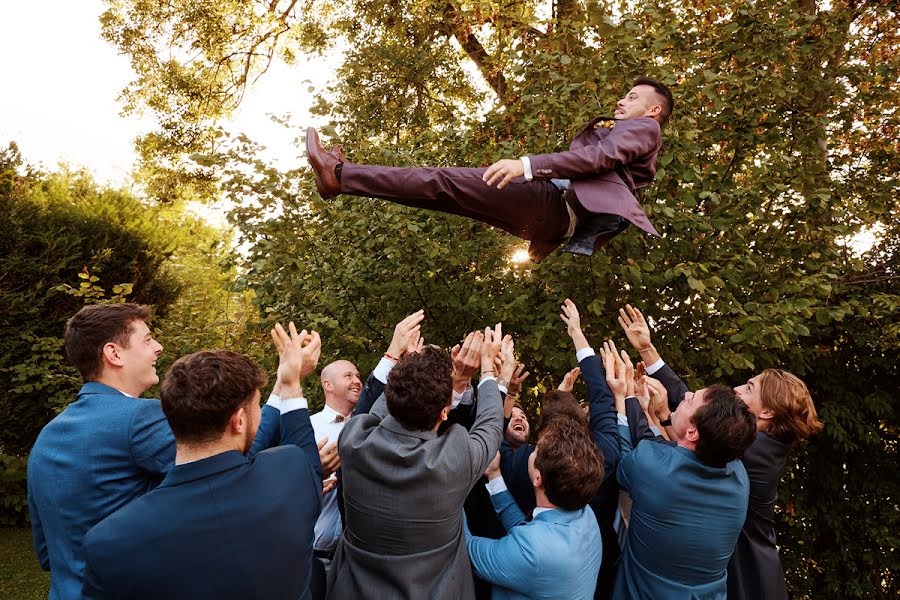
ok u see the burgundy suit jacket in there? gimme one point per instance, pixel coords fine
(605, 165)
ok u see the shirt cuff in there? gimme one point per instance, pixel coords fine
(655, 430)
(465, 397)
(495, 486)
(292, 404)
(623, 420)
(382, 369)
(655, 367)
(486, 378)
(526, 167)
(584, 353)
(274, 401)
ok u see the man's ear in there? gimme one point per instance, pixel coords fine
(238, 421)
(654, 111)
(327, 386)
(445, 413)
(111, 354)
(538, 480)
(692, 435)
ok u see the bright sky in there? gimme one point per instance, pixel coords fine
(61, 83)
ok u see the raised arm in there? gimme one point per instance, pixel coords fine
(298, 355)
(602, 403)
(636, 329)
(485, 433)
(406, 337)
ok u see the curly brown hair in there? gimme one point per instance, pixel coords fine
(558, 403)
(202, 390)
(570, 464)
(419, 387)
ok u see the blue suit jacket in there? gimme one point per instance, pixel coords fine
(103, 451)
(514, 466)
(226, 526)
(685, 520)
(556, 555)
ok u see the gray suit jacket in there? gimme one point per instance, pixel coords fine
(403, 497)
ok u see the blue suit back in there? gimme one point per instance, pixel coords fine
(103, 451)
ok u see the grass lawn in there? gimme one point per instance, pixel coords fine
(21, 577)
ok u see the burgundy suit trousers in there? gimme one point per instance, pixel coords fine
(531, 210)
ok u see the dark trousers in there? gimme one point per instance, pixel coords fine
(531, 210)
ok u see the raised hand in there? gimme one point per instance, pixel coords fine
(569, 315)
(635, 327)
(568, 382)
(289, 345)
(507, 360)
(402, 332)
(466, 360)
(416, 343)
(490, 349)
(311, 349)
(515, 382)
(659, 399)
(493, 469)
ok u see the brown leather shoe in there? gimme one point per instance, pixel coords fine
(337, 151)
(323, 163)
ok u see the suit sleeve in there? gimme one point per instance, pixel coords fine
(627, 469)
(507, 510)
(37, 532)
(603, 413)
(514, 468)
(675, 387)
(627, 142)
(91, 586)
(299, 431)
(638, 427)
(509, 562)
(371, 391)
(268, 434)
(485, 434)
(151, 440)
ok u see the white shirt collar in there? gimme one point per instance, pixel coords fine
(332, 415)
(538, 510)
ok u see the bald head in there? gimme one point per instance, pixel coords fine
(341, 384)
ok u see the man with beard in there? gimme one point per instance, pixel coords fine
(221, 525)
(519, 430)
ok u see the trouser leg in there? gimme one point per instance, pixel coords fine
(531, 210)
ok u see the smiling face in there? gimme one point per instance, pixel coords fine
(518, 430)
(138, 358)
(342, 385)
(640, 101)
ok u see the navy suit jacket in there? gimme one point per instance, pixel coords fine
(514, 467)
(103, 451)
(226, 526)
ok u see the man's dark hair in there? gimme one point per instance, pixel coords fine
(725, 425)
(202, 390)
(569, 462)
(558, 403)
(663, 92)
(419, 387)
(93, 327)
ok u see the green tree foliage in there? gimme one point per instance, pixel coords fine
(782, 148)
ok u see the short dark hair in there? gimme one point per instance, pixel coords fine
(202, 390)
(419, 387)
(558, 403)
(569, 462)
(663, 92)
(725, 425)
(93, 327)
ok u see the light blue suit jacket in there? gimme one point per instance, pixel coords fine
(556, 555)
(103, 451)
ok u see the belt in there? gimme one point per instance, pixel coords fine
(326, 554)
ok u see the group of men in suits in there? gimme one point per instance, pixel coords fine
(205, 494)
